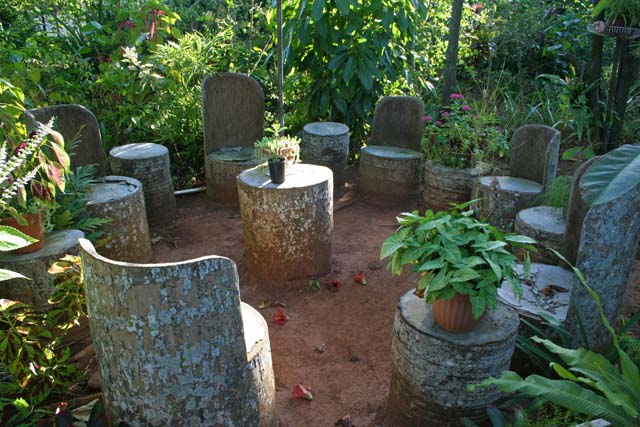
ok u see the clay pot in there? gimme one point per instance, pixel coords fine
(276, 170)
(34, 228)
(455, 314)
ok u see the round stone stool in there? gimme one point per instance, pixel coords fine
(502, 197)
(35, 266)
(287, 228)
(149, 164)
(120, 199)
(444, 185)
(222, 168)
(432, 368)
(545, 224)
(327, 144)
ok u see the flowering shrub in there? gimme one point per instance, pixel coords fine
(461, 136)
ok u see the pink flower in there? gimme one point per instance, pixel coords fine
(456, 96)
(476, 7)
(445, 114)
(465, 108)
(20, 147)
(426, 119)
(437, 123)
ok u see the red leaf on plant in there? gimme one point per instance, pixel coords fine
(334, 284)
(280, 318)
(300, 392)
(61, 155)
(57, 175)
(361, 278)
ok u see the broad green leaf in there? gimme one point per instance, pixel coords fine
(612, 175)
(519, 239)
(464, 275)
(439, 281)
(431, 265)
(630, 374)
(478, 304)
(11, 239)
(8, 274)
(316, 10)
(489, 246)
(391, 245)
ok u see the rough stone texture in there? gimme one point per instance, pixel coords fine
(502, 197)
(222, 168)
(397, 121)
(35, 265)
(120, 199)
(326, 144)
(389, 174)
(547, 226)
(444, 185)
(70, 120)
(287, 228)
(533, 154)
(174, 346)
(149, 164)
(576, 211)
(432, 367)
(233, 118)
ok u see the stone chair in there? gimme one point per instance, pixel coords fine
(175, 345)
(533, 163)
(601, 241)
(390, 164)
(233, 113)
(72, 120)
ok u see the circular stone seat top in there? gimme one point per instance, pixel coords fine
(234, 154)
(326, 128)
(299, 175)
(548, 218)
(112, 187)
(390, 152)
(145, 150)
(513, 184)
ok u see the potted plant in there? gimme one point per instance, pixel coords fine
(278, 151)
(462, 262)
(459, 143)
(621, 13)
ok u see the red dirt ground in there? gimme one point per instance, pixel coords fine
(354, 324)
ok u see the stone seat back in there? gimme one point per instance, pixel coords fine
(397, 121)
(533, 154)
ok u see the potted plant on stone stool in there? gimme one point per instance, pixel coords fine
(278, 151)
(462, 262)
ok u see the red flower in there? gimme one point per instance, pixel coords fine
(20, 147)
(334, 285)
(361, 278)
(280, 318)
(476, 7)
(300, 392)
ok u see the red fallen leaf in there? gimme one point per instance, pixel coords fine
(300, 392)
(280, 318)
(361, 278)
(334, 284)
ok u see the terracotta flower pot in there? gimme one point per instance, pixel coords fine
(34, 228)
(455, 314)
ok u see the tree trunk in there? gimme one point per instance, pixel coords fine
(451, 63)
(594, 95)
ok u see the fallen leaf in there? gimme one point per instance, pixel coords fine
(334, 284)
(320, 349)
(344, 422)
(547, 291)
(263, 305)
(300, 392)
(314, 284)
(280, 318)
(361, 278)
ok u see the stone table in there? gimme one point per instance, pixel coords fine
(327, 144)
(35, 266)
(149, 164)
(287, 228)
(432, 368)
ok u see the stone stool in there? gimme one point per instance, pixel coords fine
(502, 197)
(444, 185)
(545, 224)
(327, 144)
(287, 228)
(149, 164)
(389, 174)
(222, 168)
(120, 199)
(35, 266)
(432, 368)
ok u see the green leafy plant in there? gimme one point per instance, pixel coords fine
(273, 147)
(456, 254)
(557, 193)
(628, 10)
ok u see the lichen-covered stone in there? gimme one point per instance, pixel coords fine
(326, 144)
(222, 168)
(500, 198)
(287, 228)
(35, 266)
(547, 225)
(432, 368)
(175, 347)
(73, 120)
(389, 174)
(533, 153)
(149, 164)
(444, 185)
(120, 199)
(397, 122)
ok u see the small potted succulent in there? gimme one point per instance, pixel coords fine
(278, 151)
(462, 262)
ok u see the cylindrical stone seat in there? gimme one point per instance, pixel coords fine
(545, 224)
(287, 228)
(502, 197)
(327, 144)
(432, 368)
(222, 168)
(389, 174)
(149, 164)
(120, 199)
(35, 266)
(175, 345)
(444, 185)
